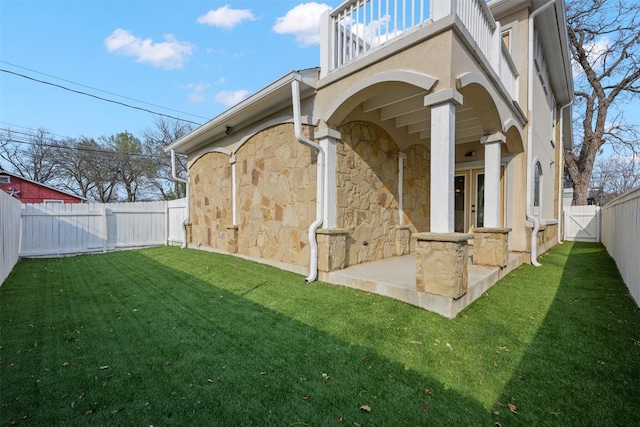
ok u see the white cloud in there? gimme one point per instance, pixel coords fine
(303, 21)
(168, 54)
(595, 54)
(225, 17)
(230, 98)
(197, 93)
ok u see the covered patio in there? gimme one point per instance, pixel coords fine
(396, 278)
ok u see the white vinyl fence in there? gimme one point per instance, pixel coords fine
(64, 229)
(177, 213)
(582, 223)
(9, 234)
(621, 237)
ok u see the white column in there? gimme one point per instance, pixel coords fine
(443, 129)
(401, 158)
(492, 153)
(327, 139)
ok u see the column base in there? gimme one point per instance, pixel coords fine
(332, 248)
(441, 263)
(188, 231)
(232, 239)
(403, 240)
(491, 246)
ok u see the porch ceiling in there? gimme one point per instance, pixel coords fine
(404, 108)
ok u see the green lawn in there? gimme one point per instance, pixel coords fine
(166, 336)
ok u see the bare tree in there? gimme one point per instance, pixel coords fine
(30, 154)
(75, 158)
(101, 172)
(604, 37)
(157, 138)
(131, 162)
(616, 175)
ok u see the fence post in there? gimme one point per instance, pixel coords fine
(166, 223)
(105, 224)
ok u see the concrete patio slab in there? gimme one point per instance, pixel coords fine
(396, 278)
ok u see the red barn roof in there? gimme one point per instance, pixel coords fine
(29, 191)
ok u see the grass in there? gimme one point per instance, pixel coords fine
(169, 337)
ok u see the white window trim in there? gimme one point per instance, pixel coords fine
(5, 179)
(53, 201)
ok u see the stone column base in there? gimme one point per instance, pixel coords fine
(232, 239)
(188, 231)
(403, 240)
(491, 246)
(441, 263)
(332, 248)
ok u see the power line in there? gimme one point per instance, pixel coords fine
(29, 129)
(98, 97)
(50, 145)
(100, 90)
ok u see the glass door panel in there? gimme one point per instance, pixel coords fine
(460, 203)
(479, 193)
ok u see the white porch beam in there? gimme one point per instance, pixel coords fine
(492, 153)
(399, 109)
(389, 98)
(443, 126)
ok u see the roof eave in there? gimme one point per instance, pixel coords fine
(249, 110)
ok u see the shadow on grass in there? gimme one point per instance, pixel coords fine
(583, 365)
(121, 339)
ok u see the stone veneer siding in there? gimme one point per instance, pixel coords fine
(276, 195)
(210, 195)
(416, 188)
(367, 185)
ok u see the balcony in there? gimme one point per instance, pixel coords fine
(357, 28)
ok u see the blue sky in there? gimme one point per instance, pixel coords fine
(192, 59)
(197, 57)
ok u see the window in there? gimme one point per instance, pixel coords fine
(53, 202)
(506, 38)
(537, 185)
(4, 179)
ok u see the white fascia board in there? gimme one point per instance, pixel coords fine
(552, 28)
(246, 111)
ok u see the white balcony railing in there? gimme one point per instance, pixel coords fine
(359, 26)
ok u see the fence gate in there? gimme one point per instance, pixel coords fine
(582, 223)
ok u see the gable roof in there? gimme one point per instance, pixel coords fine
(4, 172)
(271, 98)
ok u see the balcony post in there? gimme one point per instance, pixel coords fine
(326, 44)
(442, 8)
(496, 49)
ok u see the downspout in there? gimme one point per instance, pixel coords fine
(313, 243)
(528, 213)
(175, 177)
(234, 214)
(561, 179)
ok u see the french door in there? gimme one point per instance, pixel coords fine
(469, 199)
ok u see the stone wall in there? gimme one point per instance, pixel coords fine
(276, 198)
(416, 188)
(367, 185)
(210, 195)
